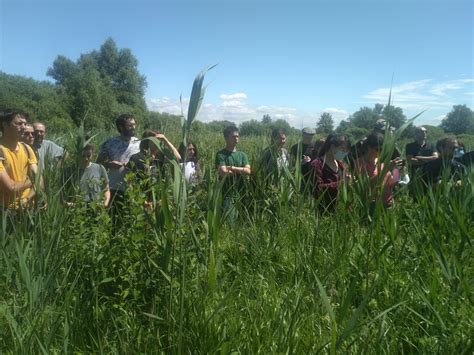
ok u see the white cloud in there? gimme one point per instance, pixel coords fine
(438, 118)
(237, 96)
(235, 108)
(440, 89)
(421, 94)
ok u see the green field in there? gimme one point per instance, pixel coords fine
(280, 279)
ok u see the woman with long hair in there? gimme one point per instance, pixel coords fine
(190, 162)
(329, 169)
(369, 166)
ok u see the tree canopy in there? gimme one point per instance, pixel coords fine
(459, 120)
(325, 124)
(100, 85)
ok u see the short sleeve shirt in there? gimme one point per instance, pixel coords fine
(48, 150)
(238, 159)
(120, 150)
(16, 164)
(416, 149)
(93, 181)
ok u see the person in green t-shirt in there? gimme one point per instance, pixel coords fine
(232, 165)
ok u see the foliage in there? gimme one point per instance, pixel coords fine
(325, 124)
(39, 99)
(459, 120)
(279, 280)
(366, 117)
(100, 85)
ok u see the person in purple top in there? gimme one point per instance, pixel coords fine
(329, 170)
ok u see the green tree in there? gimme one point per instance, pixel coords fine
(252, 128)
(366, 117)
(266, 119)
(394, 115)
(39, 99)
(459, 120)
(325, 124)
(101, 84)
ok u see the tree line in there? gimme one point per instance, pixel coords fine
(104, 83)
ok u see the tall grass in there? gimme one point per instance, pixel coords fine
(281, 279)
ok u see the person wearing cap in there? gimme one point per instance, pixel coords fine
(305, 149)
(420, 151)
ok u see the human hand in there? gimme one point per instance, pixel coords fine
(115, 164)
(396, 163)
(161, 137)
(306, 159)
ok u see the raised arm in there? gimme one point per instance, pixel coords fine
(169, 145)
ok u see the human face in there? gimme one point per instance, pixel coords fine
(282, 140)
(128, 129)
(39, 132)
(15, 127)
(86, 157)
(28, 135)
(420, 134)
(307, 138)
(449, 149)
(232, 139)
(190, 151)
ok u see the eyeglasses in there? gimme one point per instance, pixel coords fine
(28, 133)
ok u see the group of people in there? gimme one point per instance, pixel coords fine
(325, 164)
(328, 163)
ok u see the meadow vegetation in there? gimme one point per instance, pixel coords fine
(280, 279)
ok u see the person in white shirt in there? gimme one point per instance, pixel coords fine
(114, 155)
(190, 162)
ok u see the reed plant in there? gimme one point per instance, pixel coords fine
(283, 279)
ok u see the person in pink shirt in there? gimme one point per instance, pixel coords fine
(369, 166)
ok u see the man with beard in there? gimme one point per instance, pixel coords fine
(114, 155)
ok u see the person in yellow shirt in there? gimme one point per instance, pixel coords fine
(18, 163)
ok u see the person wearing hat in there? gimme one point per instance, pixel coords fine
(305, 150)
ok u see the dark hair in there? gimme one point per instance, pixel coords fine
(88, 146)
(336, 140)
(145, 143)
(443, 142)
(317, 145)
(229, 130)
(182, 150)
(277, 133)
(374, 140)
(122, 119)
(9, 115)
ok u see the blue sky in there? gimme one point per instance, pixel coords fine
(290, 59)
